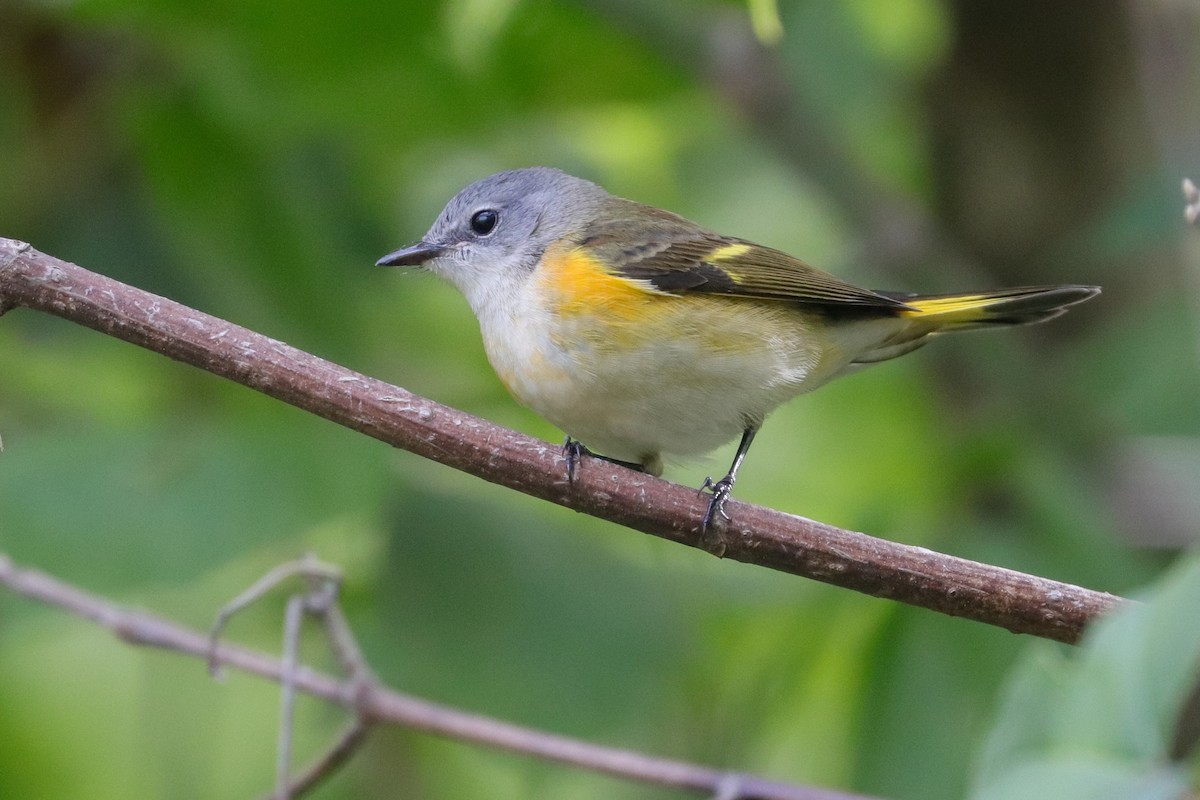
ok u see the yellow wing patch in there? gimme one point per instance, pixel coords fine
(728, 252)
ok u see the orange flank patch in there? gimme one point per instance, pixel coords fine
(575, 284)
(599, 312)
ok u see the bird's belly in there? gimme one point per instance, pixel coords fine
(665, 385)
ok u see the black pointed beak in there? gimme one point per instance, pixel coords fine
(411, 256)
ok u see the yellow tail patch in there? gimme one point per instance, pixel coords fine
(960, 306)
(1018, 306)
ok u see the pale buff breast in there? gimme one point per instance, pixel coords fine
(634, 373)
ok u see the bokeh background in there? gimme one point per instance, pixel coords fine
(254, 159)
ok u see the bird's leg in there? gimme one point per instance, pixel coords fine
(573, 451)
(721, 489)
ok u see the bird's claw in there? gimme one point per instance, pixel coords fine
(573, 451)
(719, 492)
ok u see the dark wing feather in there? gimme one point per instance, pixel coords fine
(677, 256)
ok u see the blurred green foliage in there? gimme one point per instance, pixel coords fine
(1106, 721)
(254, 159)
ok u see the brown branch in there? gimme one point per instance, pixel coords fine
(378, 704)
(1018, 602)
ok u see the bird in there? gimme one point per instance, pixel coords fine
(645, 336)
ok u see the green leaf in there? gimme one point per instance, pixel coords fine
(1100, 723)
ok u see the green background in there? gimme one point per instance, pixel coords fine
(253, 160)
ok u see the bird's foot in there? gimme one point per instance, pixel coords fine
(574, 450)
(719, 491)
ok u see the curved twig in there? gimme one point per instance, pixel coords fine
(377, 704)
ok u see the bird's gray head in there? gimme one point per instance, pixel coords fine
(493, 232)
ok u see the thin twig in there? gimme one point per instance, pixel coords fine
(347, 744)
(306, 567)
(729, 788)
(320, 601)
(377, 704)
(289, 663)
(1191, 197)
(1016, 601)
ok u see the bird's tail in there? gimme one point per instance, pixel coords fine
(1022, 306)
(930, 314)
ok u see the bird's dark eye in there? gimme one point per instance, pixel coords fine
(484, 222)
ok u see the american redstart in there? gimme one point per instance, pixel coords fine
(643, 334)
